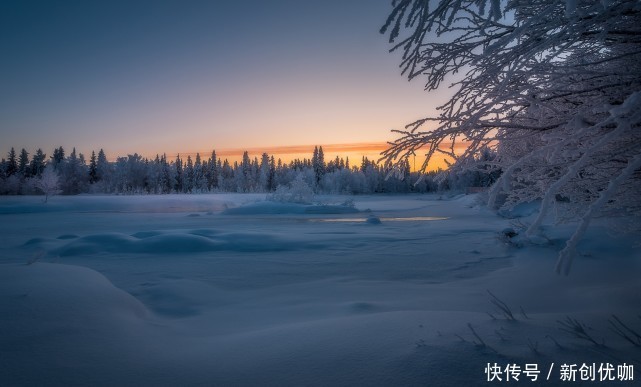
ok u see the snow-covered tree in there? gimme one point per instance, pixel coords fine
(263, 175)
(74, 174)
(48, 183)
(200, 179)
(178, 178)
(164, 176)
(12, 164)
(58, 156)
(213, 171)
(318, 163)
(23, 164)
(38, 163)
(189, 175)
(93, 168)
(552, 85)
(272, 174)
(298, 191)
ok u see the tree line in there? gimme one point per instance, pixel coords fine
(135, 174)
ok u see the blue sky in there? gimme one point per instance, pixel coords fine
(192, 76)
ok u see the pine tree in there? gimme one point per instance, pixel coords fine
(74, 174)
(12, 165)
(201, 171)
(263, 176)
(165, 175)
(38, 163)
(318, 164)
(272, 174)
(23, 164)
(189, 176)
(93, 168)
(315, 156)
(178, 184)
(244, 178)
(104, 170)
(213, 171)
(321, 158)
(58, 156)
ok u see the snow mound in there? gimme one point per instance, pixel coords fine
(73, 318)
(158, 243)
(73, 294)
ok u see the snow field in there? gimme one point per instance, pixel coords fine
(138, 291)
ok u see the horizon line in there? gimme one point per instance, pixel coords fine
(290, 149)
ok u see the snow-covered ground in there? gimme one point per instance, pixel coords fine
(233, 290)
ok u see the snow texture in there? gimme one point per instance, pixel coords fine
(113, 290)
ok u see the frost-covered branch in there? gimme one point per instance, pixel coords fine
(550, 84)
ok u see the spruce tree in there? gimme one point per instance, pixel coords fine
(178, 184)
(58, 156)
(189, 176)
(318, 164)
(23, 164)
(38, 163)
(12, 165)
(93, 168)
(213, 171)
(272, 174)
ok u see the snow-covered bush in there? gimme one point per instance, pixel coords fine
(298, 191)
(10, 185)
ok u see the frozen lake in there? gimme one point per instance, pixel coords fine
(231, 289)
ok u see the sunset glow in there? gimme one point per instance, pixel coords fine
(154, 77)
(355, 152)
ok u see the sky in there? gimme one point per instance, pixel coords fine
(192, 76)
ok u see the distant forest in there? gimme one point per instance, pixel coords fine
(134, 174)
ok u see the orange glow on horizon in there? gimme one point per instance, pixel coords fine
(354, 151)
